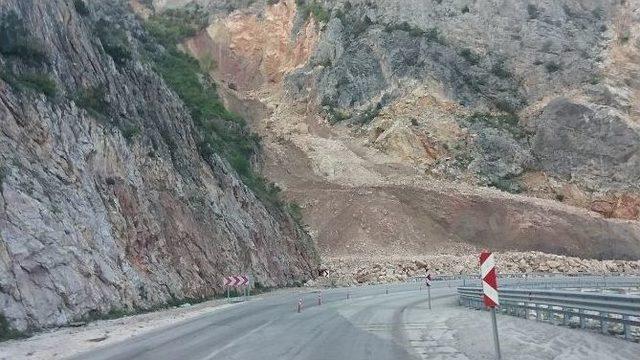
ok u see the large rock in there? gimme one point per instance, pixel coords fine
(597, 148)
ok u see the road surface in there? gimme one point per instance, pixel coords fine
(370, 325)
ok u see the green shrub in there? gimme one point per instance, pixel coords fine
(405, 26)
(38, 82)
(314, 8)
(507, 122)
(295, 211)
(598, 12)
(272, 2)
(114, 41)
(499, 69)
(552, 67)
(494, 120)
(433, 35)
(175, 25)
(6, 331)
(471, 57)
(368, 115)
(130, 131)
(93, 100)
(81, 7)
(624, 37)
(4, 172)
(15, 40)
(336, 115)
(533, 11)
(509, 185)
(465, 9)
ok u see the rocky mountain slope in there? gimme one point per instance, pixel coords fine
(421, 127)
(113, 195)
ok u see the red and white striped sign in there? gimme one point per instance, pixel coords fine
(489, 279)
(239, 280)
(427, 280)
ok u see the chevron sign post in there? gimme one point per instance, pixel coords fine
(235, 281)
(490, 291)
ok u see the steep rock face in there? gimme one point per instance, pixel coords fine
(112, 210)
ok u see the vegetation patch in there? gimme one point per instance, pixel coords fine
(4, 172)
(368, 115)
(624, 37)
(509, 185)
(93, 100)
(508, 122)
(114, 41)
(470, 56)
(313, 8)
(412, 30)
(336, 115)
(81, 7)
(37, 82)
(7, 332)
(500, 70)
(533, 11)
(130, 131)
(552, 67)
(16, 40)
(219, 131)
(431, 35)
(295, 211)
(175, 25)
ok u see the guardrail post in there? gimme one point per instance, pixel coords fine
(626, 327)
(603, 323)
(582, 319)
(550, 314)
(565, 316)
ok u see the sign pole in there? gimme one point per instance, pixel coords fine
(490, 292)
(428, 283)
(496, 341)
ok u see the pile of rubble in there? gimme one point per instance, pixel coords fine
(347, 271)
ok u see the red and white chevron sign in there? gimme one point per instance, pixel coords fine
(489, 279)
(239, 280)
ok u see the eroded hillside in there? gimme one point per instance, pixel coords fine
(414, 127)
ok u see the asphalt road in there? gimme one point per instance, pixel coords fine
(271, 328)
(371, 324)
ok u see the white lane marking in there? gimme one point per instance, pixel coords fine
(236, 340)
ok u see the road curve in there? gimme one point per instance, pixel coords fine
(371, 324)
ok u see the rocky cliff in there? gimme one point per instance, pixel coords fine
(111, 198)
(414, 127)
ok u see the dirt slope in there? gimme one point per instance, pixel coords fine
(398, 183)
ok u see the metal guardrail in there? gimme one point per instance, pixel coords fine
(544, 280)
(564, 306)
